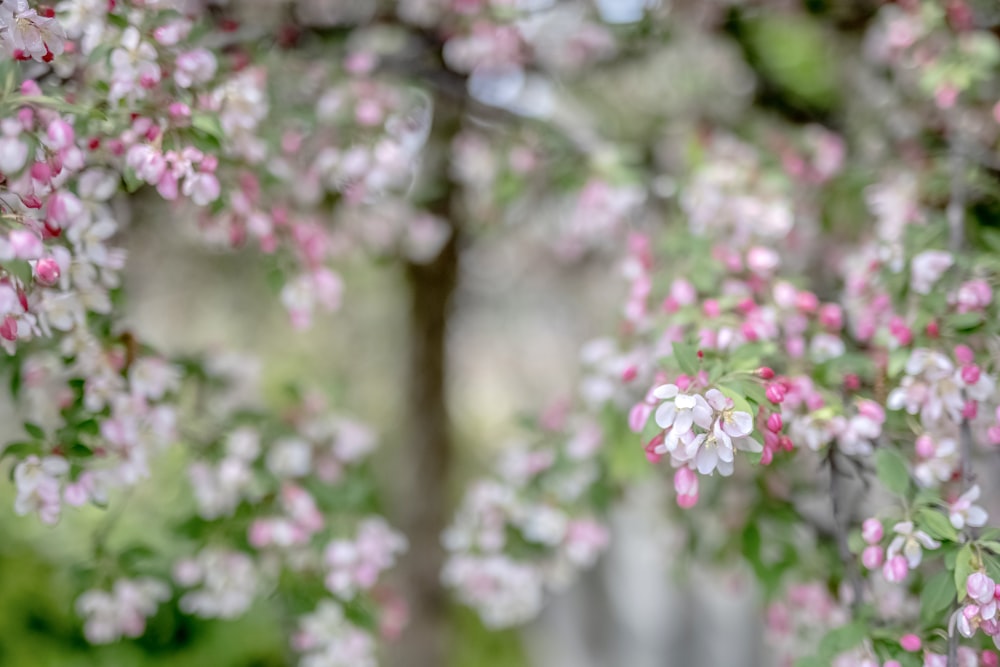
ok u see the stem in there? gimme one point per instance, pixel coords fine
(953, 639)
(840, 529)
(957, 201)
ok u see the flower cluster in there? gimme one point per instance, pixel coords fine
(529, 530)
(122, 611)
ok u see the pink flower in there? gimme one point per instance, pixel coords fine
(686, 486)
(872, 556)
(910, 643)
(974, 295)
(895, 569)
(871, 531)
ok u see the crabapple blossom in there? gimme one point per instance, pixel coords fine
(910, 542)
(122, 611)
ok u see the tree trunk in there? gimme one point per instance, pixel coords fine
(427, 443)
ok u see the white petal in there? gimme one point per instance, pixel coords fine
(740, 424)
(684, 421)
(977, 517)
(665, 391)
(665, 415)
(706, 460)
(685, 402)
(914, 554)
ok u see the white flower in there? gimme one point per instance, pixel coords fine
(681, 411)
(963, 513)
(927, 268)
(908, 540)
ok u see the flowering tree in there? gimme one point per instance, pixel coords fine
(807, 315)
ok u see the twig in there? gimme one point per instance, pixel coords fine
(953, 640)
(840, 529)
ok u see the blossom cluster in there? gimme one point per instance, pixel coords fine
(528, 530)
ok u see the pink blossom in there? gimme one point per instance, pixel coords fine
(872, 556)
(895, 569)
(871, 531)
(686, 486)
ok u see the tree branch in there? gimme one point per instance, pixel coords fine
(840, 528)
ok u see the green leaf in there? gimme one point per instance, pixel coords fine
(80, 450)
(936, 595)
(34, 430)
(964, 321)
(897, 361)
(992, 545)
(936, 525)
(891, 470)
(964, 566)
(686, 357)
(842, 639)
(21, 449)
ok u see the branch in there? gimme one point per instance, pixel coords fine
(840, 529)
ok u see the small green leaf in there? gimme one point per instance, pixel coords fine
(936, 525)
(897, 361)
(891, 470)
(20, 450)
(686, 357)
(34, 430)
(842, 639)
(964, 321)
(80, 450)
(992, 545)
(964, 566)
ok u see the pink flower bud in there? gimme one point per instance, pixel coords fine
(989, 659)
(910, 643)
(964, 354)
(891, 663)
(872, 557)
(630, 373)
(47, 271)
(686, 486)
(765, 373)
(895, 569)
(925, 447)
(774, 422)
(8, 328)
(766, 457)
(179, 110)
(980, 587)
(60, 134)
(970, 374)
(970, 409)
(871, 531)
(711, 308)
(831, 316)
(775, 393)
(807, 302)
(638, 416)
(40, 172)
(933, 330)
